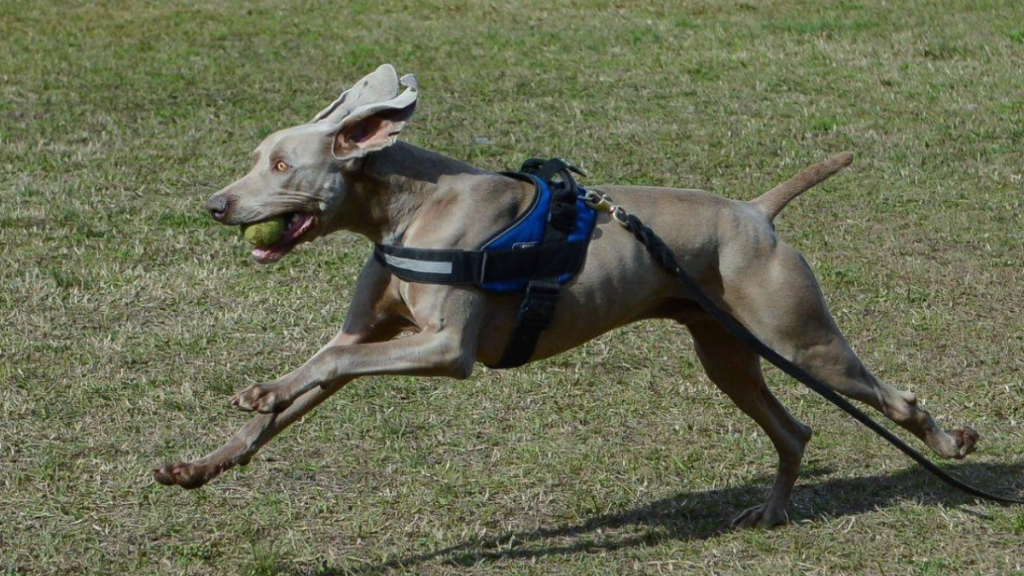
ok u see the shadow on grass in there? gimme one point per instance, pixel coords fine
(703, 515)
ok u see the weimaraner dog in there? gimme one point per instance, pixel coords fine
(346, 170)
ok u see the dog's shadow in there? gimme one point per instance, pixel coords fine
(703, 515)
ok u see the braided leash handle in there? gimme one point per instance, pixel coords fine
(666, 259)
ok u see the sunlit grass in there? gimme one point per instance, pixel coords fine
(129, 318)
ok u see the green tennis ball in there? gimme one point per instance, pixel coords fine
(266, 233)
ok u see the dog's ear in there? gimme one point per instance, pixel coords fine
(377, 86)
(376, 125)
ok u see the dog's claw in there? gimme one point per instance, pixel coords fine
(260, 398)
(760, 516)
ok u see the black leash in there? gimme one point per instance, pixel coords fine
(664, 257)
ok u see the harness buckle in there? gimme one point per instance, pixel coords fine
(538, 308)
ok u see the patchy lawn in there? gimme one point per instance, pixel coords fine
(129, 318)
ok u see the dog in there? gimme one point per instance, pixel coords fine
(347, 170)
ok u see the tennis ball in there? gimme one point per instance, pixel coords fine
(266, 233)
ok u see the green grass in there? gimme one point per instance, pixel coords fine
(128, 318)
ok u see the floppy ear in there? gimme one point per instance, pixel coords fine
(379, 85)
(376, 125)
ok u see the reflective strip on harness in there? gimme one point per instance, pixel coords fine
(491, 270)
(413, 265)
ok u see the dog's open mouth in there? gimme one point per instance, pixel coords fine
(298, 226)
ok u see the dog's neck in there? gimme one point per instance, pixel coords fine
(392, 187)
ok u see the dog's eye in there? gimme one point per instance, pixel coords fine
(281, 166)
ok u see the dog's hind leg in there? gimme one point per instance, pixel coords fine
(736, 370)
(786, 310)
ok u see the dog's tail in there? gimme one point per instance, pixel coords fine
(773, 201)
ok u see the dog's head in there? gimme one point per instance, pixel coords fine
(300, 173)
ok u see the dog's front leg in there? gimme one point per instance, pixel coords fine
(369, 320)
(447, 320)
(428, 353)
(247, 441)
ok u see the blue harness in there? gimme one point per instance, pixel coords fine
(528, 232)
(542, 249)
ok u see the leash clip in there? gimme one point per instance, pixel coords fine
(602, 203)
(598, 201)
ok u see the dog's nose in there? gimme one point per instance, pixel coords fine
(218, 207)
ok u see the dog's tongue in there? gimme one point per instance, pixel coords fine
(296, 228)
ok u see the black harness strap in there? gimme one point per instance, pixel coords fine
(469, 267)
(535, 315)
(537, 310)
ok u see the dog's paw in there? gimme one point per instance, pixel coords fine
(966, 441)
(188, 475)
(760, 516)
(263, 398)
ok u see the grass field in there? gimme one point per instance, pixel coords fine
(128, 318)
